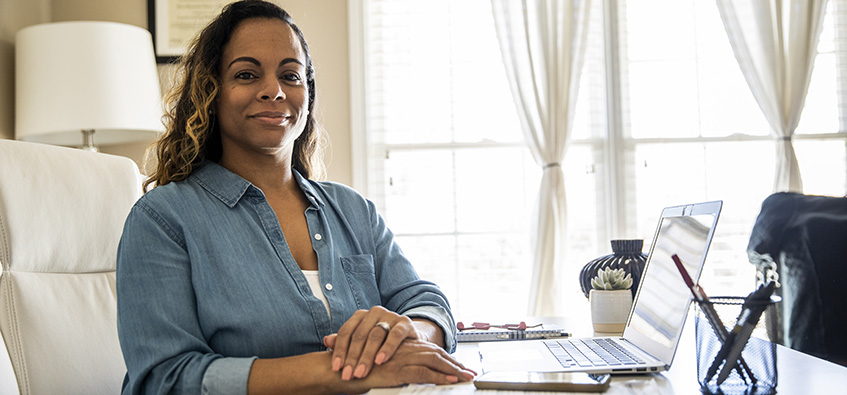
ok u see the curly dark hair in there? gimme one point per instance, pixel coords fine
(192, 132)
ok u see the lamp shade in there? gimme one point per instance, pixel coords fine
(74, 76)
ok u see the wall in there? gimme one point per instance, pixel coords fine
(14, 15)
(323, 22)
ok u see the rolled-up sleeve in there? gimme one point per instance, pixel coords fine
(227, 376)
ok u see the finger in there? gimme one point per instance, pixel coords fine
(342, 339)
(329, 341)
(423, 375)
(456, 362)
(402, 330)
(397, 374)
(425, 370)
(432, 357)
(376, 337)
(358, 342)
(445, 363)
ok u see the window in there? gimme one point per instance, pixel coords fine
(664, 116)
(448, 171)
(693, 130)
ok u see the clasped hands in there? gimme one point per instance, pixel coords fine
(395, 348)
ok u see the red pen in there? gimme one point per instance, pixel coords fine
(709, 312)
(695, 289)
(702, 300)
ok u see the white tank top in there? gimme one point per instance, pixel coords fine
(315, 284)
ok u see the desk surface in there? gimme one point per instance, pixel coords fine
(798, 373)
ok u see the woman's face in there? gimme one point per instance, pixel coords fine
(263, 103)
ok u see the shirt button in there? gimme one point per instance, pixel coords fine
(328, 287)
(318, 236)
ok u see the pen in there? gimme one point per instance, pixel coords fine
(711, 315)
(753, 308)
(721, 356)
(702, 300)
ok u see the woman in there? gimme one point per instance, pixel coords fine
(236, 272)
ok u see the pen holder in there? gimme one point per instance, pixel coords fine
(756, 371)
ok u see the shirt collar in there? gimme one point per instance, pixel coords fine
(230, 187)
(308, 189)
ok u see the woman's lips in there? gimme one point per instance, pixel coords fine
(270, 117)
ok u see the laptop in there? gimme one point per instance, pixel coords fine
(655, 322)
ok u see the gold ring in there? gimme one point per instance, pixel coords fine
(384, 325)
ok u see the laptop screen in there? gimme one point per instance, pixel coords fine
(663, 299)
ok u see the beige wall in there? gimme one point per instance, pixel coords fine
(323, 22)
(14, 15)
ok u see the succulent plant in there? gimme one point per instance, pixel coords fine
(611, 279)
(627, 256)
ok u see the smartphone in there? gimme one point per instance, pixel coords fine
(543, 381)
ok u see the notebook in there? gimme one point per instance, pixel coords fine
(655, 322)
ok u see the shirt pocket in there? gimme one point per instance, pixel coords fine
(360, 274)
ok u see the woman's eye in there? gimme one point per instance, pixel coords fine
(291, 77)
(244, 75)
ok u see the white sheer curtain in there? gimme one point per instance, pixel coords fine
(775, 43)
(542, 43)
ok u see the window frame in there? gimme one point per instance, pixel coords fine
(618, 213)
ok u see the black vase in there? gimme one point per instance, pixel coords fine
(626, 255)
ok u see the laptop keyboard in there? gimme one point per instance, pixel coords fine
(591, 352)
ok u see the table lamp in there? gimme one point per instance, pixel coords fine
(77, 78)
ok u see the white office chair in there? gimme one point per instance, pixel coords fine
(61, 215)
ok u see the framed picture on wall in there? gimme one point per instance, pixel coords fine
(174, 23)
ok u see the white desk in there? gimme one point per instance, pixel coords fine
(798, 373)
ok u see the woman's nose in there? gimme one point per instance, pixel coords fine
(271, 90)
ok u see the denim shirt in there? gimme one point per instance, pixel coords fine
(206, 282)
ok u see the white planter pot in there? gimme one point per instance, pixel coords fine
(610, 309)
